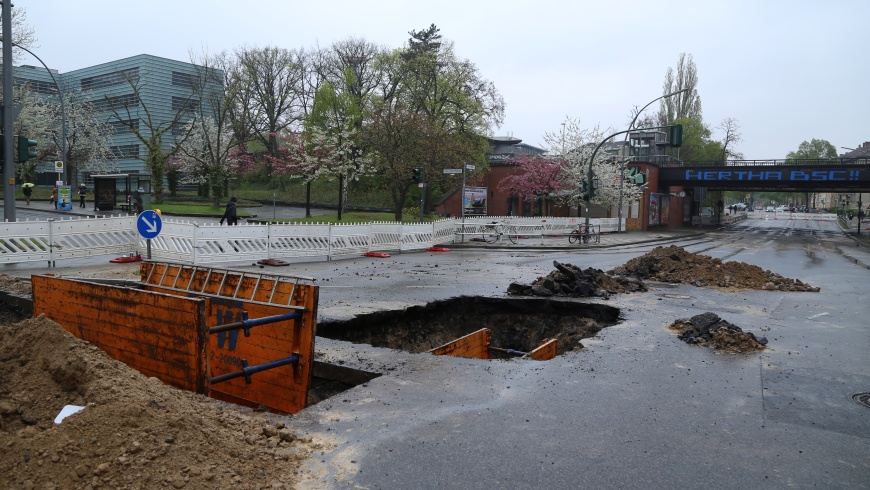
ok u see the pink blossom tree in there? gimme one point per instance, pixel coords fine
(539, 178)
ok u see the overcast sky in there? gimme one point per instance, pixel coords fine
(787, 71)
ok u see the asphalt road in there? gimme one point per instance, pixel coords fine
(637, 408)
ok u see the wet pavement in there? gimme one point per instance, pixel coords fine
(634, 408)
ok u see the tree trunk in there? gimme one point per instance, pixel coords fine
(308, 199)
(340, 194)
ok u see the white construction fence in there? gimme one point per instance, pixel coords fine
(189, 242)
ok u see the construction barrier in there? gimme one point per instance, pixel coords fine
(237, 336)
(194, 243)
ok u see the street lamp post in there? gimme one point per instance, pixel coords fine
(622, 166)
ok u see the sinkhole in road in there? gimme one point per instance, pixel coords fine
(516, 324)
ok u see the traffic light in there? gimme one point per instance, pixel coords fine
(676, 135)
(418, 175)
(24, 151)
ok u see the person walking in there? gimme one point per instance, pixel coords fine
(28, 191)
(54, 197)
(83, 191)
(230, 214)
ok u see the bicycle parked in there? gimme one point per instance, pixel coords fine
(583, 234)
(492, 232)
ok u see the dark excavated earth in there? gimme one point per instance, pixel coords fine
(519, 324)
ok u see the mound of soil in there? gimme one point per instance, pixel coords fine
(709, 330)
(674, 264)
(568, 280)
(15, 286)
(134, 432)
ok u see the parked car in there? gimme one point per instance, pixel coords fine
(770, 209)
(780, 209)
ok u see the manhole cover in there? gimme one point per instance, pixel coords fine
(516, 324)
(862, 399)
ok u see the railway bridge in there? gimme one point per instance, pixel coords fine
(676, 190)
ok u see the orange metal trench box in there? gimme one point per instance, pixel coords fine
(161, 327)
(476, 345)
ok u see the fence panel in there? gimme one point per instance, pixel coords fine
(218, 244)
(443, 231)
(386, 237)
(417, 236)
(299, 240)
(25, 241)
(175, 243)
(349, 239)
(73, 238)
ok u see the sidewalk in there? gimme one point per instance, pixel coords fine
(606, 240)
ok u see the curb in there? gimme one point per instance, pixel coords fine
(460, 245)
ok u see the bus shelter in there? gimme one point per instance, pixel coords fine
(117, 191)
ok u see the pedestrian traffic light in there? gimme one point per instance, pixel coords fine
(418, 175)
(24, 151)
(676, 135)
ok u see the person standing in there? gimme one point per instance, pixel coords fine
(27, 193)
(137, 203)
(83, 191)
(54, 197)
(230, 214)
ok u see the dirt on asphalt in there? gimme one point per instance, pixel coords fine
(134, 432)
(708, 330)
(675, 265)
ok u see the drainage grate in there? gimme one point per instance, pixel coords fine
(862, 399)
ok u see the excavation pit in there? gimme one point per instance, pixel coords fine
(520, 325)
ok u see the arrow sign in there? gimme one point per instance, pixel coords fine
(149, 224)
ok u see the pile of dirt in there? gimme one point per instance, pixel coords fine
(15, 286)
(568, 280)
(674, 264)
(708, 330)
(134, 432)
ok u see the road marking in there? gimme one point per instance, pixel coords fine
(817, 315)
(426, 286)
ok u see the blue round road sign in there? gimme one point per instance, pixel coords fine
(149, 224)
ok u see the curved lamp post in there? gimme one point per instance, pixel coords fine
(622, 166)
(62, 113)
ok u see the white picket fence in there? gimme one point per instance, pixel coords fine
(202, 244)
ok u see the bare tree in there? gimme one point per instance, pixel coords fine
(268, 95)
(732, 136)
(152, 131)
(206, 156)
(22, 34)
(88, 136)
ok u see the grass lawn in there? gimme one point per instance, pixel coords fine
(346, 217)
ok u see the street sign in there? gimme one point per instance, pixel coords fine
(469, 166)
(452, 170)
(58, 166)
(149, 224)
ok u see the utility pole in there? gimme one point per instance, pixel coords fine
(8, 116)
